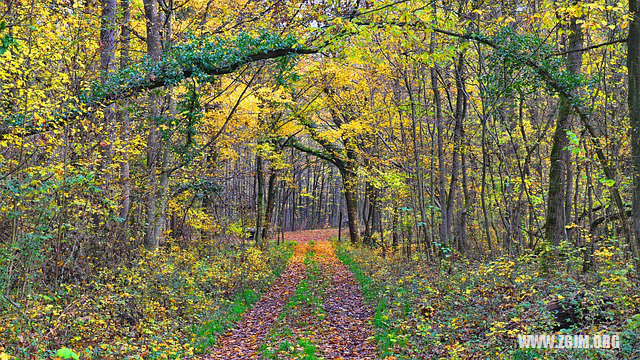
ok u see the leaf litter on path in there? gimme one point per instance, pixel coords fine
(346, 331)
(343, 331)
(244, 340)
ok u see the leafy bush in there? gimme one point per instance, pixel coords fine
(169, 304)
(465, 310)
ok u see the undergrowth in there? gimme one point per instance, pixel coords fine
(172, 303)
(463, 310)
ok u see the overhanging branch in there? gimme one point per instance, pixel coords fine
(293, 142)
(211, 60)
(592, 47)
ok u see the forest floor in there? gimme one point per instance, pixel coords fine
(309, 298)
(314, 310)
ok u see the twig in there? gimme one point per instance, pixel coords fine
(17, 306)
(592, 47)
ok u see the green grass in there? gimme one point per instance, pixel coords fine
(386, 336)
(281, 342)
(206, 335)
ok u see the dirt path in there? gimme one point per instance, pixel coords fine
(244, 340)
(342, 331)
(346, 331)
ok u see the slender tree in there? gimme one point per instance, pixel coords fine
(559, 181)
(633, 98)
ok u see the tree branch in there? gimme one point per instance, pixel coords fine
(296, 144)
(175, 67)
(592, 47)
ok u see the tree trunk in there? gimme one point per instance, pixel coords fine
(375, 212)
(395, 230)
(466, 207)
(125, 120)
(154, 151)
(350, 181)
(555, 225)
(633, 97)
(107, 38)
(166, 20)
(416, 161)
(442, 190)
(107, 65)
(457, 158)
(271, 203)
(259, 199)
(485, 163)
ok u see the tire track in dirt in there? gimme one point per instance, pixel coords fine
(295, 335)
(244, 339)
(346, 331)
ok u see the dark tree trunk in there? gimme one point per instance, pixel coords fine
(350, 181)
(259, 200)
(395, 231)
(460, 114)
(555, 224)
(271, 204)
(633, 66)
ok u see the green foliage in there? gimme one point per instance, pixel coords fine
(223, 319)
(202, 59)
(191, 112)
(66, 353)
(509, 77)
(5, 40)
(237, 229)
(479, 309)
(169, 304)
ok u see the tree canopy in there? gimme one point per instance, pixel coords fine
(170, 146)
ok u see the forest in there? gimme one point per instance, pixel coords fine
(319, 179)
